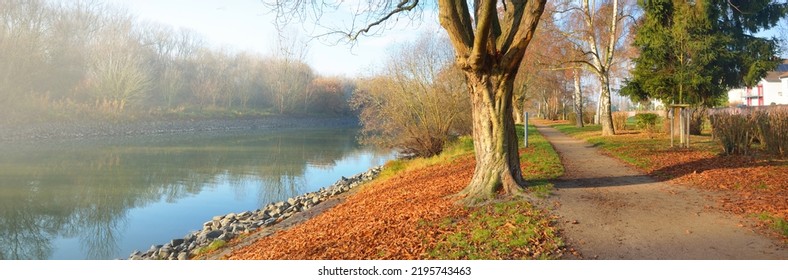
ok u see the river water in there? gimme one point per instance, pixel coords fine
(104, 198)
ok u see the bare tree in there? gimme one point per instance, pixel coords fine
(416, 104)
(288, 76)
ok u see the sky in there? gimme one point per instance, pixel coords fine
(245, 25)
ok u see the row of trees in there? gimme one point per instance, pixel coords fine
(84, 56)
(673, 51)
(581, 48)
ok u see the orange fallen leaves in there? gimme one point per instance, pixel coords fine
(385, 220)
(749, 184)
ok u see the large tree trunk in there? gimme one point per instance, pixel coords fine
(518, 105)
(605, 116)
(495, 140)
(578, 98)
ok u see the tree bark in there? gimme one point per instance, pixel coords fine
(605, 117)
(495, 141)
(578, 99)
(518, 106)
(489, 52)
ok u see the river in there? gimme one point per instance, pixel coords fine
(103, 198)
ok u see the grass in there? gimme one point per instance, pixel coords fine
(505, 230)
(631, 147)
(215, 245)
(540, 162)
(779, 224)
(459, 147)
(512, 229)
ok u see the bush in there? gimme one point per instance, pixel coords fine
(733, 131)
(696, 120)
(737, 127)
(399, 110)
(771, 128)
(572, 118)
(620, 120)
(646, 121)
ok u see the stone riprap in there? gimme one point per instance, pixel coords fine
(234, 224)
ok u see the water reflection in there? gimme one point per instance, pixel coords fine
(97, 193)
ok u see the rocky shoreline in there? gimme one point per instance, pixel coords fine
(226, 227)
(92, 129)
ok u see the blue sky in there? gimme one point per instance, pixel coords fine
(244, 25)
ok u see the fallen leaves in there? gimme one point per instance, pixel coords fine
(748, 184)
(395, 218)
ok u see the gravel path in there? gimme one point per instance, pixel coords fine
(609, 210)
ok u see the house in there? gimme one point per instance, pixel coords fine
(771, 90)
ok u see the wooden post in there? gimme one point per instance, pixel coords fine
(525, 130)
(672, 124)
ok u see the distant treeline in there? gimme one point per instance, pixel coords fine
(72, 59)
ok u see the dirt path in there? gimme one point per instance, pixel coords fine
(609, 210)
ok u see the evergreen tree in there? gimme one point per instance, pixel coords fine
(692, 51)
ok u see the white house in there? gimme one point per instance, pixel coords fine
(772, 89)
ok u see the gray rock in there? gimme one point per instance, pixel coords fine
(135, 253)
(226, 236)
(214, 234)
(228, 226)
(176, 242)
(153, 248)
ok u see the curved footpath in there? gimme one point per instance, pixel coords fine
(609, 210)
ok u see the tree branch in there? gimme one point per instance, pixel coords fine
(403, 6)
(486, 13)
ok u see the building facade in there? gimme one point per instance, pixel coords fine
(771, 90)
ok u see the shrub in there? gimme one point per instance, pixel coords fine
(736, 128)
(732, 129)
(408, 109)
(646, 121)
(620, 120)
(572, 118)
(696, 120)
(771, 128)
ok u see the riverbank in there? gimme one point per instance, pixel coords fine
(95, 129)
(410, 212)
(222, 229)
